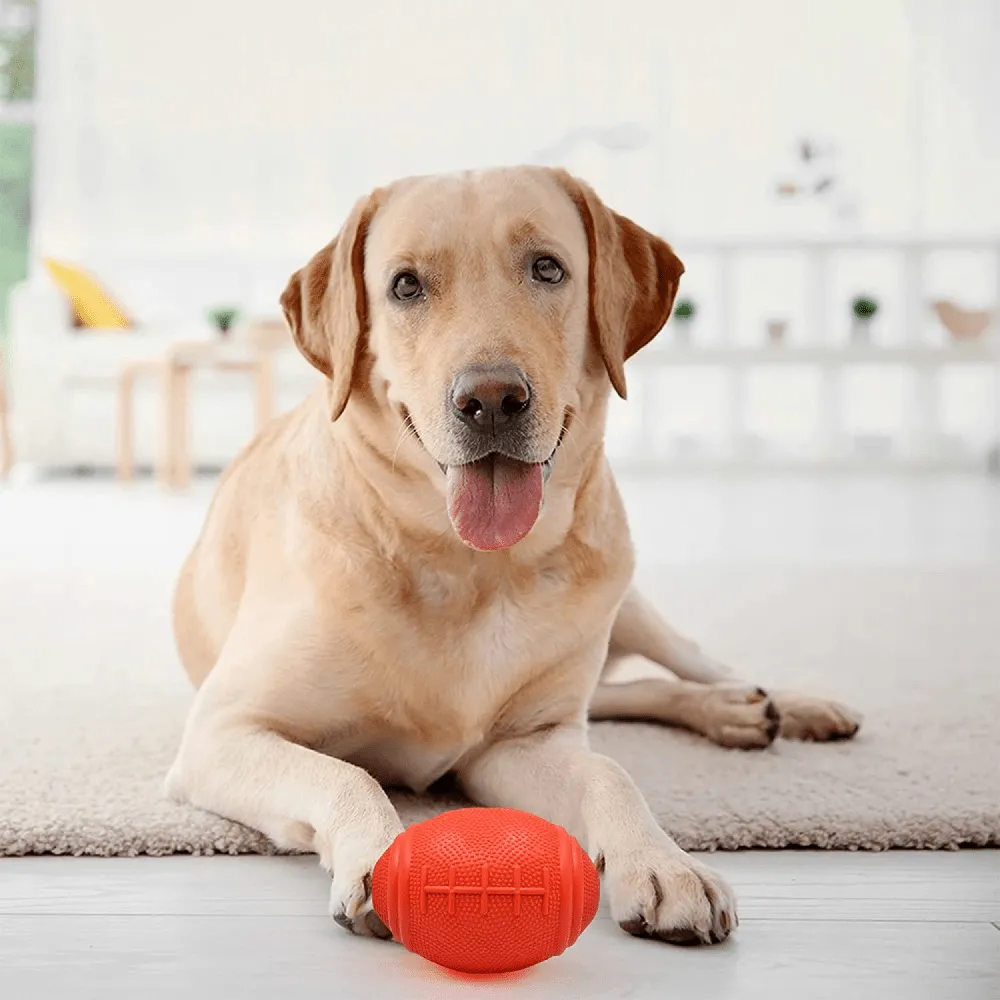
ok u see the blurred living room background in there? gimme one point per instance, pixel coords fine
(829, 173)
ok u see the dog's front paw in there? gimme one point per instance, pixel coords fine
(806, 718)
(351, 904)
(351, 907)
(661, 892)
(354, 860)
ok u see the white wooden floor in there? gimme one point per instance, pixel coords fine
(814, 925)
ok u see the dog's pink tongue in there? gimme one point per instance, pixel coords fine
(494, 502)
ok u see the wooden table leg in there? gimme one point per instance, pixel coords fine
(162, 454)
(178, 456)
(168, 445)
(126, 423)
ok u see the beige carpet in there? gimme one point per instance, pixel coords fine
(92, 701)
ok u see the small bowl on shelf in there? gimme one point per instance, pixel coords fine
(962, 324)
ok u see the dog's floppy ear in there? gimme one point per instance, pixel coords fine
(632, 282)
(326, 305)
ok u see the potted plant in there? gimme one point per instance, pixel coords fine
(864, 308)
(223, 317)
(684, 314)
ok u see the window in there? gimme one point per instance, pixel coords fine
(17, 90)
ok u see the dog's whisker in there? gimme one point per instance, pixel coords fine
(406, 429)
(568, 437)
(399, 443)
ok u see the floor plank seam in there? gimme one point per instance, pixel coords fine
(324, 917)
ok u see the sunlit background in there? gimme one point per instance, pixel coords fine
(829, 172)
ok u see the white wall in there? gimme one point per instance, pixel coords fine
(236, 125)
(179, 139)
(957, 88)
(230, 124)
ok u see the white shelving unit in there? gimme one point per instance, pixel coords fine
(918, 356)
(920, 445)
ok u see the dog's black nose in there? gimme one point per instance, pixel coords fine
(489, 397)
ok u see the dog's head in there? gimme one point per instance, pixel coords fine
(492, 310)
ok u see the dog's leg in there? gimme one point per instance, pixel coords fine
(654, 888)
(640, 630)
(234, 762)
(730, 713)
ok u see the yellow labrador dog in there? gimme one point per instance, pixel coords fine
(425, 568)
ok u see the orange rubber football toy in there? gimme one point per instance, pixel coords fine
(485, 890)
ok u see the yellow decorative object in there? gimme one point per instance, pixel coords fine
(93, 306)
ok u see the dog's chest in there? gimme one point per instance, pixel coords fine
(461, 674)
(490, 639)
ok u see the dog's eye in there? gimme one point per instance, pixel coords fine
(548, 270)
(406, 286)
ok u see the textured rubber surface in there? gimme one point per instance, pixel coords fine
(485, 890)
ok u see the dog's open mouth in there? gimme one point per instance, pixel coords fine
(494, 501)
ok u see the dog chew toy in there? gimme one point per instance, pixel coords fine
(485, 890)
